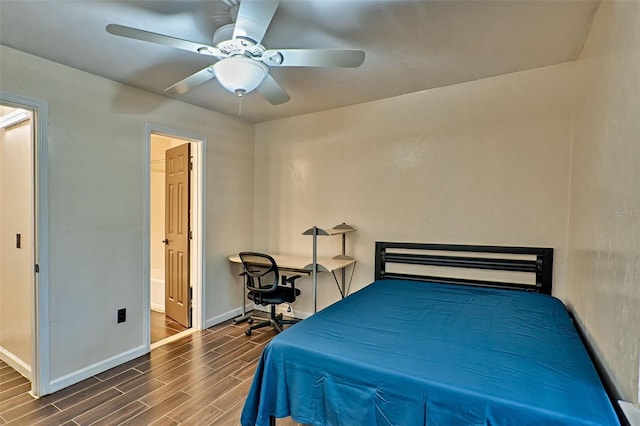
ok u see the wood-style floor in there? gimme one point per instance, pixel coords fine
(201, 379)
(162, 326)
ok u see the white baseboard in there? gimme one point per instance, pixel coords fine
(158, 308)
(92, 370)
(14, 362)
(282, 309)
(210, 322)
(632, 412)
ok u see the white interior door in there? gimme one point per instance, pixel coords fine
(177, 234)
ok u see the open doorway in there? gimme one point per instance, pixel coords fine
(175, 234)
(24, 295)
(17, 241)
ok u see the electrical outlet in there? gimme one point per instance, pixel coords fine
(122, 315)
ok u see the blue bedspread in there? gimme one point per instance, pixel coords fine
(409, 353)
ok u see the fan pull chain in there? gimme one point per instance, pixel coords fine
(240, 93)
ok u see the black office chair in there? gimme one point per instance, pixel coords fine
(267, 288)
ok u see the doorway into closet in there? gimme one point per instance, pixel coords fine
(175, 236)
(17, 242)
(24, 315)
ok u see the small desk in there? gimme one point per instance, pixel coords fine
(304, 265)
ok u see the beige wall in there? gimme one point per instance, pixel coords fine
(96, 199)
(484, 162)
(604, 238)
(16, 264)
(159, 144)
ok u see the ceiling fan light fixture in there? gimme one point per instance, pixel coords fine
(15, 117)
(240, 74)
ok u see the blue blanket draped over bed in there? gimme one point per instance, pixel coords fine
(411, 353)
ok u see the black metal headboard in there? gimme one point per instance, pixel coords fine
(541, 266)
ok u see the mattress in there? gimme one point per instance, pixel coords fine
(413, 353)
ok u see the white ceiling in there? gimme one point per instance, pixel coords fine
(410, 45)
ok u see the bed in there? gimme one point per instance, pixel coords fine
(423, 348)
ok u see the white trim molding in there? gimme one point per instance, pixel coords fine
(631, 412)
(15, 362)
(99, 367)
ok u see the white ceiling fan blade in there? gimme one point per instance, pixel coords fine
(192, 81)
(137, 34)
(313, 58)
(254, 17)
(272, 91)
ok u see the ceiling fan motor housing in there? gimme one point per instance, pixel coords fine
(223, 40)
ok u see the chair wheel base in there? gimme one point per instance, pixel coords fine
(250, 321)
(247, 332)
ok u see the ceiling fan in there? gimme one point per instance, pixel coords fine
(241, 61)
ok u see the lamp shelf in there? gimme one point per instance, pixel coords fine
(341, 229)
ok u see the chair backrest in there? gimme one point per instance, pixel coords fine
(261, 272)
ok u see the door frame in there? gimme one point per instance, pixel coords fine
(40, 324)
(198, 225)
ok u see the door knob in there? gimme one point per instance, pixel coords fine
(165, 242)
